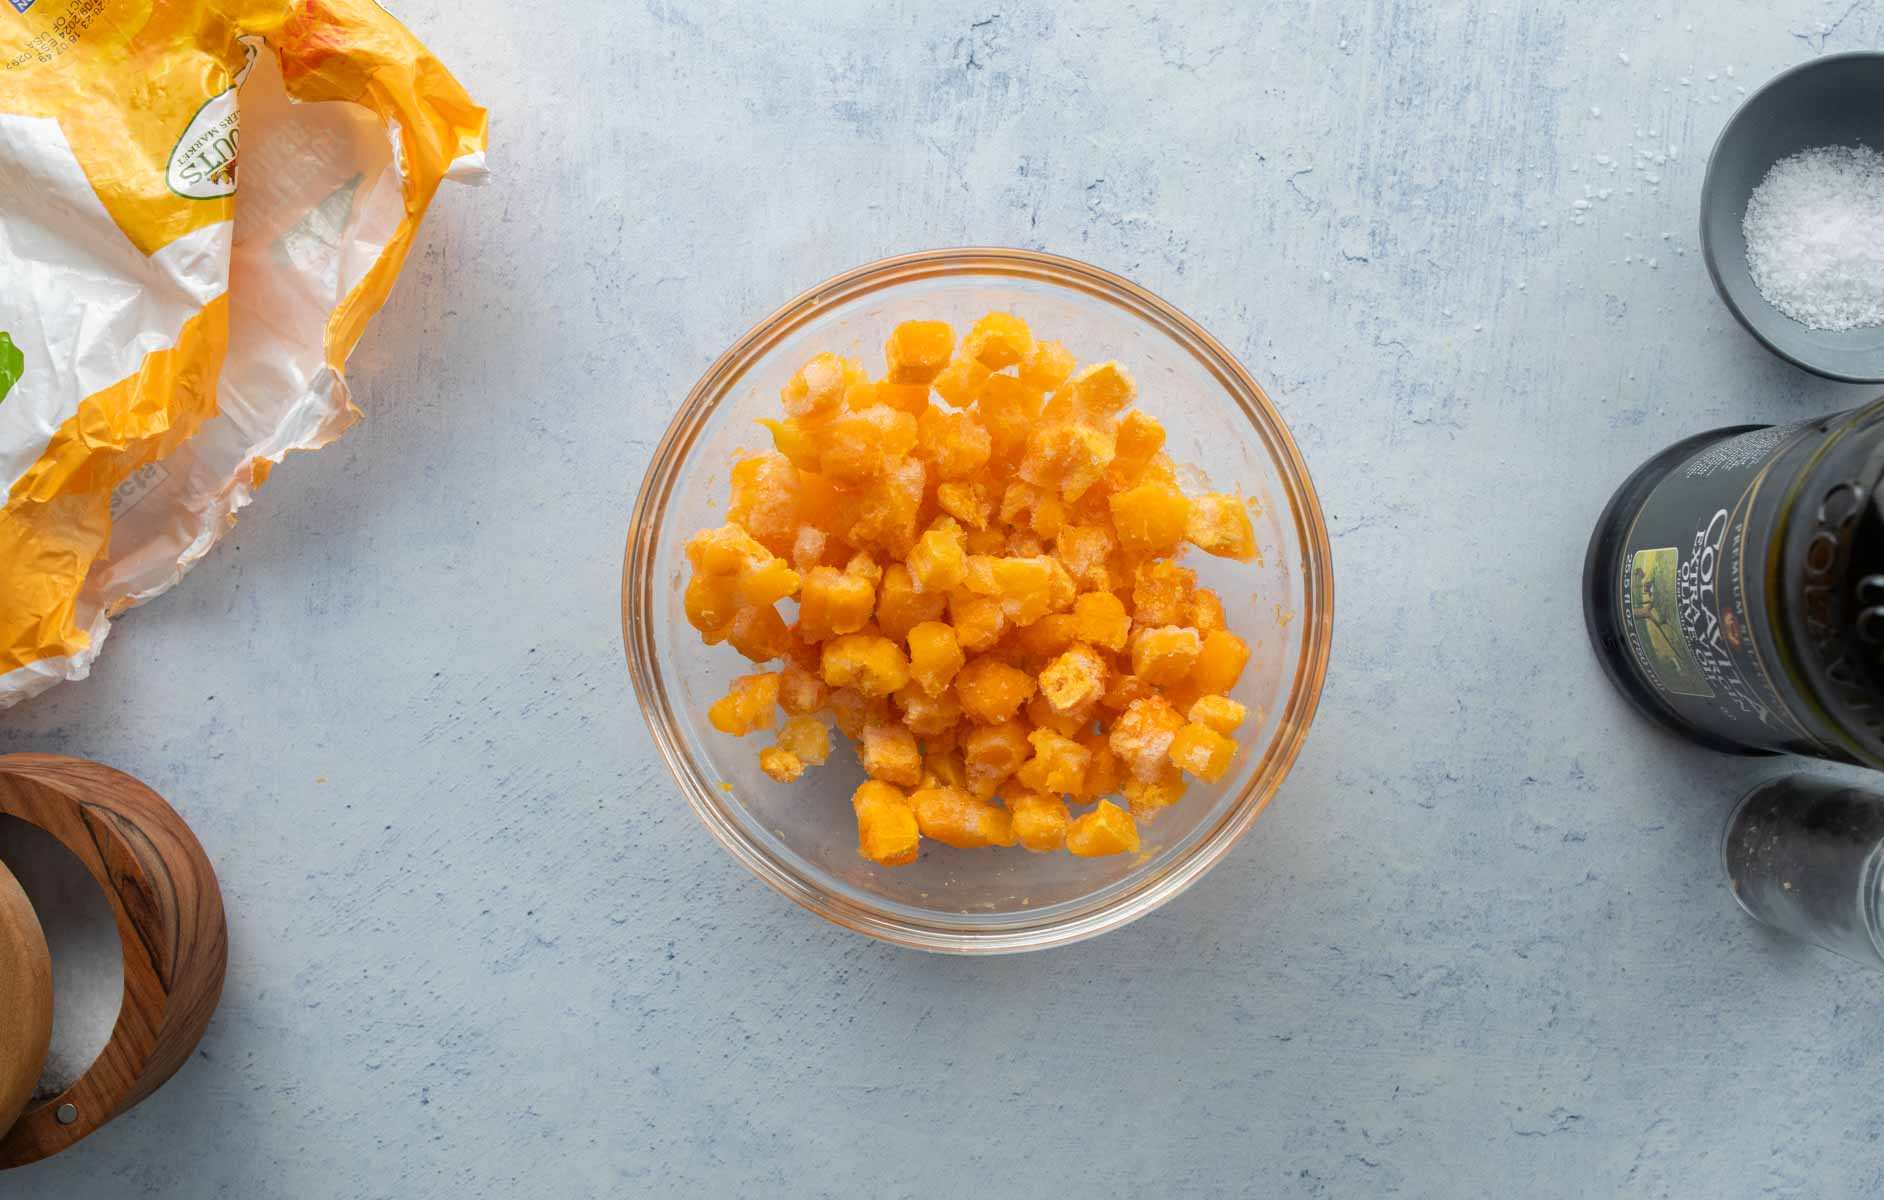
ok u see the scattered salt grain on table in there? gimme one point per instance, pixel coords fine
(1815, 237)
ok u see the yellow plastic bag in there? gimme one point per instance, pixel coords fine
(175, 315)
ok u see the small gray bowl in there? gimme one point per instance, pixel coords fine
(1834, 100)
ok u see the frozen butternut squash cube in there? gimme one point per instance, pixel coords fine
(863, 566)
(888, 751)
(796, 440)
(1124, 691)
(1100, 619)
(912, 398)
(765, 501)
(918, 350)
(925, 715)
(1025, 586)
(817, 388)
(711, 602)
(1219, 663)
(809, 548)
(854, 711)
(940, 558)
(887, 833)
(728, 550)
(832, 602)
(1104, 773)
(1140, 436)
(1107, 829)
(857, 447)
(998, 340)
(967, 502)
(1046, 366)
(801, 692)
(768, 583)
(1162, 593)
(1142, 735)
(1058, 764)
(1101, 389)
(935, 655)
(1206, 612)
(953, 817)
(781, 764)
(901, 607)
(887, 509)
(954, 443)
(1009, 408)
(1201, 751)
(979, 620)
(1040, 822)
(1165, 655)
(747, 705)
(1040, 715)
(1069, 456)
(942, 768)
(1073, 682)
(989, 543)
(960, 383)
(807, 739)
(874, 666)
(991, 753)
(759, 633)
(1149, 797)
(1086, 552)
(1150, 518)
(1218, 712)
(1048, 636)
(1219, 524)
(1048, 517)
(991, 691)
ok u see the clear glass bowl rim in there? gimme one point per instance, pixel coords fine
(959, 933)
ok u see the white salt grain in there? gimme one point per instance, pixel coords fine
(1815, 237)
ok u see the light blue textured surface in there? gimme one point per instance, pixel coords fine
(1480, 945)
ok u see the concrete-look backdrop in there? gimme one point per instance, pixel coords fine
(1480, 945)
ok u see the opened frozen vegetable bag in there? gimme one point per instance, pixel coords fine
(201, 203)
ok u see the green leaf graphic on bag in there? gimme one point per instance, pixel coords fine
(12, 364)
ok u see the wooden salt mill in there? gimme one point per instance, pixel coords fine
(168, 909)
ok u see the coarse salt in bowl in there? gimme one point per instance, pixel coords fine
(801, 838)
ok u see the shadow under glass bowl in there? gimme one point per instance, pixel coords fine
(1835, 100)
(801, 838)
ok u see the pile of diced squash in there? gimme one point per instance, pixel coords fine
(983, 548)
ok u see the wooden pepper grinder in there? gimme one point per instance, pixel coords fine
(163, 894)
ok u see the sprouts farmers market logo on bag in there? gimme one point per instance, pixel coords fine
(20, 6)
(203, 163)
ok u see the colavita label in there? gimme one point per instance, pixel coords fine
(1688, 596)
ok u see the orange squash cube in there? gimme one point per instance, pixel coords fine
(765, 501)
(887, 832)
(1206, 612)
(918, 350)
(1218, 712)
(1142, 735)
(1149, 797)
(991, 753)
(1140, 437)
(1124, 691)
(979, 620)
(912, 398)
(1219, 524)
(1048, 636)
(747, 705)
(1107, 829)
(711, 602)
(935, 655)
(857, 447)
(1202, 751)
(953, 442)
(888, 752)
(781, 764)
(1009, 409)
(1040, 822)
(927, 716)
(991, 691)
(796, 440)
(853, 710)
(989, 543)
(901, 607)
(759, 633)
(887, 509)
(960, 383)
(1100, 390)
(1046, 366)
(1104, 773)
(1150, 518)
(940, 558)
(801, 692)
(728, 550)
(967, 502)
(1058, 764)
(1073, 682)
(1025, 586)
(1040, 715)
(1069, 456)
(872, 665)
(1219, 663)
(1165, 655)
(806, 738)
(832, 602)
(1099, 619)
(768, 582)
(1162, 594)
(955, 818)
(809, 548)
(1086, 553)
(942, 768)
(998, 340)
(817, 388)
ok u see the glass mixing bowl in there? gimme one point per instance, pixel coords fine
(801, 838)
